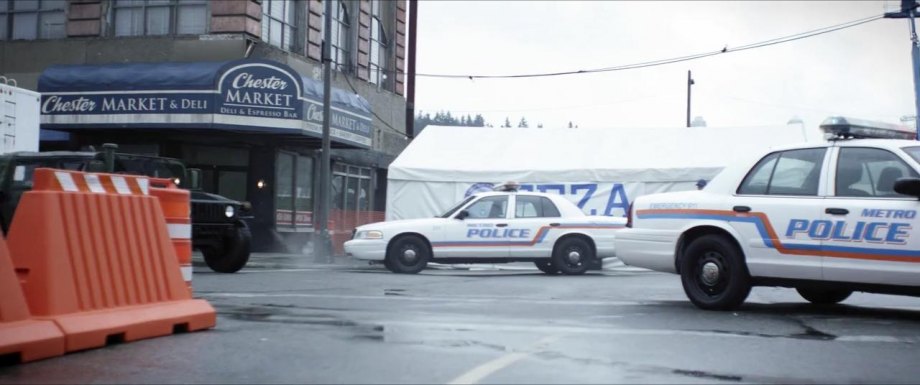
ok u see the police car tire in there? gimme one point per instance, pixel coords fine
(547, 267)
(561, 262)
(823, 296)
(233, 256)
(400, 266)
(734, 281)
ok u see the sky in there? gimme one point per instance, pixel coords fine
(861, 72)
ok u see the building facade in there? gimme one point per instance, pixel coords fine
(232, 87)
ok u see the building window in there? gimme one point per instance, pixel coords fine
(341, 36)
(278, 27)
(32, 19)
(380, 42)
(160, 17)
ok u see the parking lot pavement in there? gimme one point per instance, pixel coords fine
(288, 320)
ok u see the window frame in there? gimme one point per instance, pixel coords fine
(342, 34)
(10, 12)
(381, 42)
(291, 8)
(540, 203)
(173, 7)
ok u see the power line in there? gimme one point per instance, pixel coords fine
(653, 63)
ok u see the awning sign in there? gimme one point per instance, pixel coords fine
(245, 95)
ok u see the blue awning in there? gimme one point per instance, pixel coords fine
(259, 96)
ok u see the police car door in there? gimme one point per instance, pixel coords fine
(772, 209)
(869, 228)
(481, 234)
(532, 214)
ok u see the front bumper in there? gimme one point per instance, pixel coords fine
(366, 249)
(650, 249)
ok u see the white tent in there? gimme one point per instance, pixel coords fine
(599, 169)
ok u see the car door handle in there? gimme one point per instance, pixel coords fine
(741, 209)
(554, 224)
(501, 225)
(836, 211)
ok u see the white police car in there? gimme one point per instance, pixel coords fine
(493, 227)
(825, 218)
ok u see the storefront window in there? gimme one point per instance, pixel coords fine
(293, 192)
(351, 187)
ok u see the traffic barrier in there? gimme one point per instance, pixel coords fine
(22, 339)
(95, 257)
(177, 208)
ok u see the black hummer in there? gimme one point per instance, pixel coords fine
(219, 229)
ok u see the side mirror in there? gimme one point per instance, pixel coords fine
(194, 178)
(462, 215)
(907, 186)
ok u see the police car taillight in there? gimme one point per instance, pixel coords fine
(841, 128)
(629, 215)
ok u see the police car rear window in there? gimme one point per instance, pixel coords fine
(793, 172)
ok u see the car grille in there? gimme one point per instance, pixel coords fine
(208, 213)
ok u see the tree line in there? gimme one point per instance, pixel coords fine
(446, 118)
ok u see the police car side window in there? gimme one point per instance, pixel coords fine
(529, 206)
(869, 172)
(793, 172)
(549, 208)
(488, 207)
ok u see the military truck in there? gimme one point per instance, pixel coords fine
(219, 228)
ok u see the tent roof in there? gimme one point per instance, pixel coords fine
(486, 154)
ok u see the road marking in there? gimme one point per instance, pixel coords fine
(482, 371)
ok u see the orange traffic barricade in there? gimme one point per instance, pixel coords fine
(93, 254)
(22, 339)
(176, 206)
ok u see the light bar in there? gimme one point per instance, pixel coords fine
(842, 127)
(507, 186)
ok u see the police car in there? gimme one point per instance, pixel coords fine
(824, 218)
(493, 227)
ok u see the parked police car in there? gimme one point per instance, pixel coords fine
(825, 218)
(493, 227)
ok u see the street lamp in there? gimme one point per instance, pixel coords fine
(909, 11)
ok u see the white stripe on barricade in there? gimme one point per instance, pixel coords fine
(179, 230)
(66, 181)
(186, 273)
(95, 185)
(121, 185)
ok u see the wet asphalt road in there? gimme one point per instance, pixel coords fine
(285, 320)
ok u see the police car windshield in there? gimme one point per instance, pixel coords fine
(457, 207)
(914, 152)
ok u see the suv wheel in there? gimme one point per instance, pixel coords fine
(233, 255)
(713, 273)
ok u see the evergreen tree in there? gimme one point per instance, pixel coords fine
(523, 123)
(507, 122)
(539, 125)
(570, 124)
(478, 121)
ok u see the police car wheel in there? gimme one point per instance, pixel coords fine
(571, 256)
(713, 273)
(547, 267)
(824, 296)
(407, 255)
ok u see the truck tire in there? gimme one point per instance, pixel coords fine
(713, 273)
(233, 255)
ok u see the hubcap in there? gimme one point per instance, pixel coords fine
(710, 273)
(409, 255)
(574, 256)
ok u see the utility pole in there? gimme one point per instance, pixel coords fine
(410, 84)
(321, 244)
(689, 83)
(909, 11)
